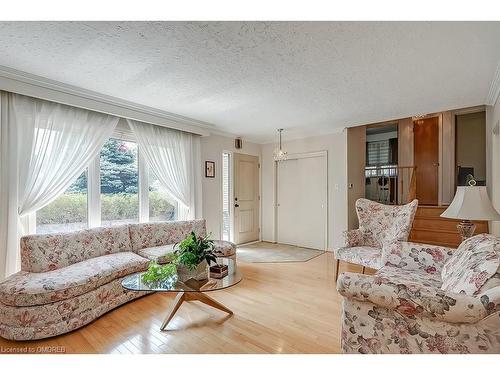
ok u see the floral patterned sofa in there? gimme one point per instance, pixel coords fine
(68, 280)
(379, 224)
(426, 299)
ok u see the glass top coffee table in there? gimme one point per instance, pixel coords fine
(190, 290)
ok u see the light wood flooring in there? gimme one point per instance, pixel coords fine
(278, 308)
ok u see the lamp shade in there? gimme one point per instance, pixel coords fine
(471, 203)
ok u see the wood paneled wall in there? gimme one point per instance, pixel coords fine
(356, 161)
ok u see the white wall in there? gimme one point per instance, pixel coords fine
(471, 143)
(447, 158)
(493, 160)
(335, 145)
(212, 148)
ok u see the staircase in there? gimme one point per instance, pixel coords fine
(429, 228)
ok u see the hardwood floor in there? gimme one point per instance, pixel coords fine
(278, 308)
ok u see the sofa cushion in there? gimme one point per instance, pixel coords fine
(423, 258)
(476, 260)
(47, 252)
(165, 233)
(363, 255)
(410, 278)
(30, 289)
(160, 254)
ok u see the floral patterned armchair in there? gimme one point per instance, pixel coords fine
(379, 224)
(426, 299)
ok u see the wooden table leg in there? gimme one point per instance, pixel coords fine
(179, 299)
(337, 270)
(202, 297)
(192, 296)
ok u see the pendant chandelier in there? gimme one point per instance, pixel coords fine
(279, 153)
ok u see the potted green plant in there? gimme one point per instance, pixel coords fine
(194, 256)
(158, 273)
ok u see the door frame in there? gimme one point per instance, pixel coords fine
(231, 192)
(302, 155)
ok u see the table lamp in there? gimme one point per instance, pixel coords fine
(470, 203)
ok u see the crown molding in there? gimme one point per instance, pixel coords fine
(492, 97)
(24, 83)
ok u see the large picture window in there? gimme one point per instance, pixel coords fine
(161, 205)
(119, 183)
(115, 198)
(68, 212)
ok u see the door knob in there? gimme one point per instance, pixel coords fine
(236, 205)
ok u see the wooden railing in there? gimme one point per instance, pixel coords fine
(391, 184)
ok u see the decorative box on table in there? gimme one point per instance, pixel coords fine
(219, 271)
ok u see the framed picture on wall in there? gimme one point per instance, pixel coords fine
(210, 169)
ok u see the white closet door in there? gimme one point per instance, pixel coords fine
(302, 202)
(287, 201)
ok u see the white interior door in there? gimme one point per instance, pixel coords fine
(246, 198)
(302, 202)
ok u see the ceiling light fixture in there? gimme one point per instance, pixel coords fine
(279, 153)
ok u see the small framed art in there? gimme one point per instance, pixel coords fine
(210, 169)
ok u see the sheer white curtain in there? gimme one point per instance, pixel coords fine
(45, 146)
(174, 158)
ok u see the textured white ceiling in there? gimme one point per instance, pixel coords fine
(249, 78)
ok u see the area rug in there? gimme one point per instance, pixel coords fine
(267, 252)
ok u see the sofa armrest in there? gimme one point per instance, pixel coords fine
(224, 248)
(355, 237)
(411, 300)
(413, 256)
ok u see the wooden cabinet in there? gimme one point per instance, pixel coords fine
(429, 227)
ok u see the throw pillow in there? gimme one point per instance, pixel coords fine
(475, 261)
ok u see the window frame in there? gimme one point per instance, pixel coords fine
(120, 135)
